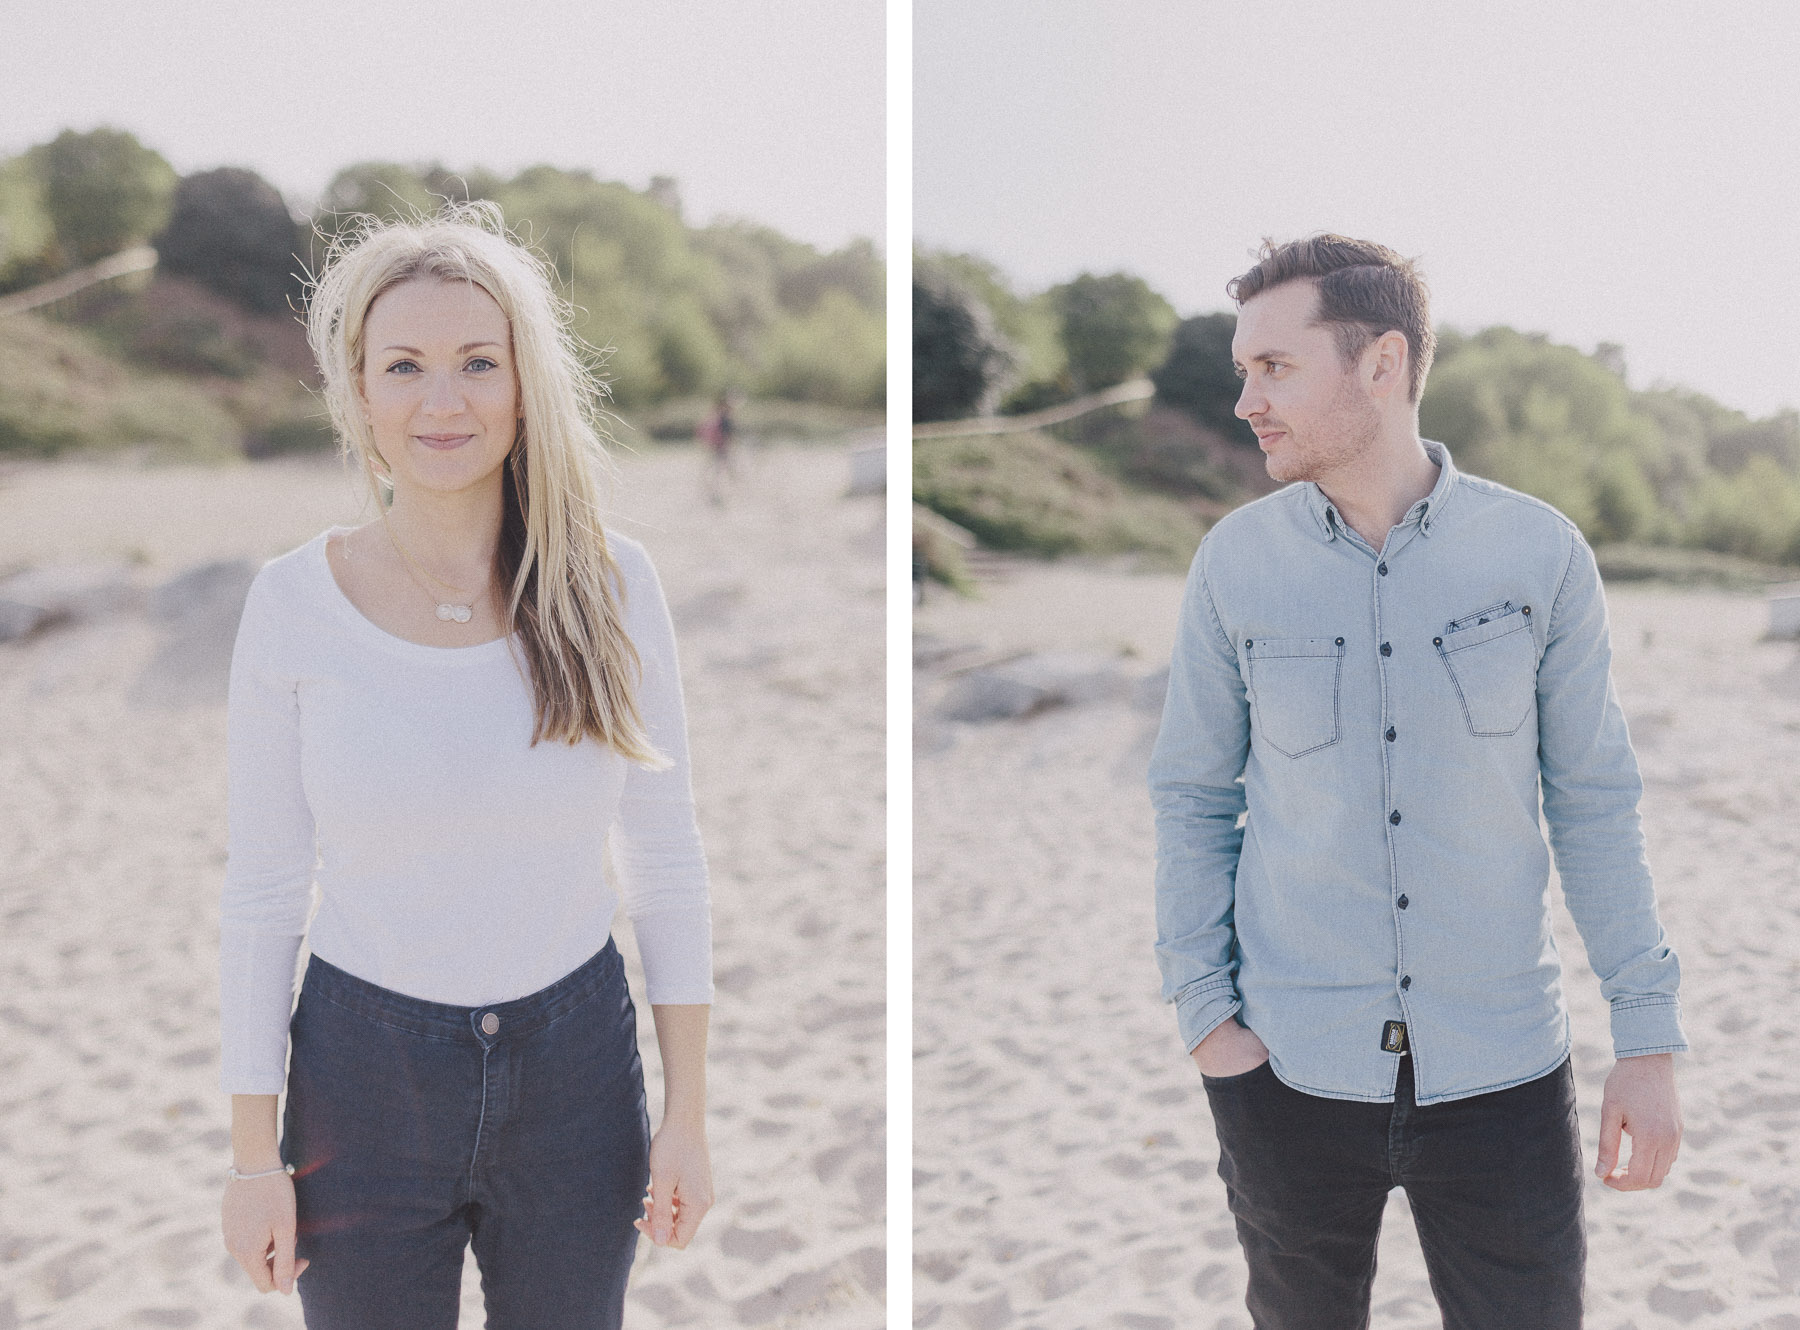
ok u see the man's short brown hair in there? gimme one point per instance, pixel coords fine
(1364, 289)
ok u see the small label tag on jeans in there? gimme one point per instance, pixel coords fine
(1393, 1037)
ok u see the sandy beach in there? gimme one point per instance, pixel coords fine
(1064, 1152)
(113, 1135)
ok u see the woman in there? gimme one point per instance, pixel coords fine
(439, 717)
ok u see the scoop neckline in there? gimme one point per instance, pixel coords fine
(347, 609)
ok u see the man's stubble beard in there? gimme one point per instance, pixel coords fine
(1346, 432)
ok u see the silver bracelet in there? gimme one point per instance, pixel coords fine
(236, 1176)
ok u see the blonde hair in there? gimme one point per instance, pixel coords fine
(565, 599)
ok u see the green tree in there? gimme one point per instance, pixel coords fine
(1552, 422)
(27, 237)
(836, 353)
(231, 231)
(961, 363)
(1113, 327)
(103, 190)
(1197, 376)
(1754, 512)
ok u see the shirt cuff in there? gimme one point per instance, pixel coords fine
(1204, 1008)
(1645, 1025)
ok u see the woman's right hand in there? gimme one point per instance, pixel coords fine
(257, 1216)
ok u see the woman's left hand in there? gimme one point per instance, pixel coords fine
(681, 1190)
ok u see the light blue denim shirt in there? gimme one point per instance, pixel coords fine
(1347, 789)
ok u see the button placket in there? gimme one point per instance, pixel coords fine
(1389, 734)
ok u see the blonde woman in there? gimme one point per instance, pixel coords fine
(441, 718)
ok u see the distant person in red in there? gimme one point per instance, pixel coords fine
(717, 431)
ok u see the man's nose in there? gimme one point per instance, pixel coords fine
(1250, 402)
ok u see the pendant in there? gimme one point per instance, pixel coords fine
(460, 613)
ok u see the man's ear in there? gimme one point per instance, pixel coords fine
(1387, 361)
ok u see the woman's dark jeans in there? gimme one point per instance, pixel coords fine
(417, 1128)
(1494, 1181)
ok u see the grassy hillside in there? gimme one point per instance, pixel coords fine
(1035, 493)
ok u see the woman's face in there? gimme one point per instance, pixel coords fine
(439, 384)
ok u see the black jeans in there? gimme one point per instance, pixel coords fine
(420, 1128)
(1495, 1183)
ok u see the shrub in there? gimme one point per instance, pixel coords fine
(1112, 328)
(103, 191)
(1197, 375)
(231, 231)
(835, 354)
(961, 363)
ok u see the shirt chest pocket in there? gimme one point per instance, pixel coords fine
(1293, 684)
(1492, 661)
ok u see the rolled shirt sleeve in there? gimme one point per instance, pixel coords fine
(1198, 794)
(1591, 789)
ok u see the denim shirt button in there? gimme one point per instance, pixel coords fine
(1394, 817)
(1392, 734)
(1387, 648)
(1405, 982)
(1381, 568)
(1403, 902)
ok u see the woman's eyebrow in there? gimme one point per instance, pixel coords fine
(464, 348)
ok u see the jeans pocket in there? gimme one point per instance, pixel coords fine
(1293, 684)
(1241, 1079)
(1492, 661)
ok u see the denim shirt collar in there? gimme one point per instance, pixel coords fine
(1425, 512)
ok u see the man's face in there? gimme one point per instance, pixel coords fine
(1311, 414)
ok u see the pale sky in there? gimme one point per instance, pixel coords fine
(767, 109)
(1599, 171)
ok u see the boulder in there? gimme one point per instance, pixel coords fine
(1029, 684)
(54, 594)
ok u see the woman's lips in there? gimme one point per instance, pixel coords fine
(443, 442)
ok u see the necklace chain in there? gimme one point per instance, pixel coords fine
(449, 611)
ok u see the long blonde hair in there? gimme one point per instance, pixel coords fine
(565, 600)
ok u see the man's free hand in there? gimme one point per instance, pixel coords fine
(1640, 1101)
(1230, 1050)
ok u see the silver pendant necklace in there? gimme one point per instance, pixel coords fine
(449, 611)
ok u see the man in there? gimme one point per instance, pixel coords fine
(1377, 671)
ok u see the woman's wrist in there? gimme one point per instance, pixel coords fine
(256, 1161)
(688, 1116)
(237, 1174)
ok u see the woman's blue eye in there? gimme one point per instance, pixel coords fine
(400, 365)
(482, 362)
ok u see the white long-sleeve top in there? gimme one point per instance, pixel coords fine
(454, 861)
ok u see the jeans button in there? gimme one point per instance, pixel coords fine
(490, 1024)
